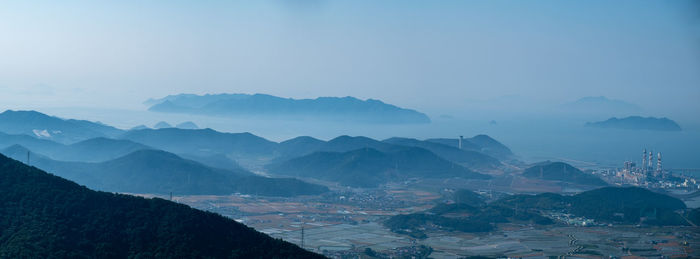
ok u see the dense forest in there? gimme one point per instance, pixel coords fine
(45, 216)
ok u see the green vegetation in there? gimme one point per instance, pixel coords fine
(606, 205)
(694, 216)
(44, 216)
(564, 172)
(468, 197)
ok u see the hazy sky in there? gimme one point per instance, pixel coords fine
(435, 55)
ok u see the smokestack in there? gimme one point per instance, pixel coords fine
(658, 164)
(461, 138)
(651, 161)
(644, 161)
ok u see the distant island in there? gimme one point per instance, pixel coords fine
(322, 108)
(637, 123)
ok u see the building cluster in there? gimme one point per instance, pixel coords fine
(650, 173)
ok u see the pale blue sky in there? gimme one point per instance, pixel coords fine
(429, 55)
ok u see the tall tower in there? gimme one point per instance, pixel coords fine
(658, 165)
(651, 161)
(643, 166)
(461, 138)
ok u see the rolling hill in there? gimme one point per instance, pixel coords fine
(44, 216)
(629, 205)
(558, 171)
(468, 158)
(369, 167)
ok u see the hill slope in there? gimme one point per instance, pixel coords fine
(48, 127)
(46, 216)
(325, 108)
(368, 167)
(564, 172)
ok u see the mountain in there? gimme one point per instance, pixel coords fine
(162, 125)
(44, 216)
(324, 108)
(593, 105)
(140, 127)
(33, 143)
(637, 123)
(369, 167)
(558, 171)
(202, 141)
(91, 150)
(48, 127)
(299, 146)
(97, 150)
(468, 158)
(187, 125)
(479, 143)
(155, 171)
(216, 161)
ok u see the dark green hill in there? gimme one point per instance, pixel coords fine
(694, 216)
(202, 141)
(558, 171)
(160, 172)
(48, 127)
(368, 167)
(468, 158)
(468, 197)
(609, 204)
(44, 216)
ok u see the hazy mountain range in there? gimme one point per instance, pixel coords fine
(160, 172)
(393, 159)
(323, 108)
